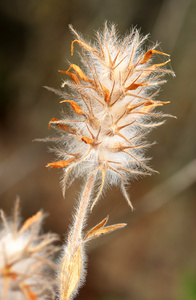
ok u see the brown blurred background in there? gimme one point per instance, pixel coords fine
(154, 257)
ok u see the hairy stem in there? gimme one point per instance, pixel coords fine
(82, 210)
(72, 266)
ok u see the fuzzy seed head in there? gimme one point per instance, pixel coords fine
(25, 258)
(111, 97)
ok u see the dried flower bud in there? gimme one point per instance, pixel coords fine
(113, 108)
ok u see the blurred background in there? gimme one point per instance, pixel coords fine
(154, 257)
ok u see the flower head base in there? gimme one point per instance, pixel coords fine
(25, 258)
(113, 104)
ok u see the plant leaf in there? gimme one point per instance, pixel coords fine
(99, 230)
(95, 228)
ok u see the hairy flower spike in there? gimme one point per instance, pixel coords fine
(24, 259)
(113, 108)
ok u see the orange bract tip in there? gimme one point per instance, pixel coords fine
(52, 120)
(61, 124)
(60, 163)
(106, 94)
(87, 140)
(61, 71)
(80, 73)
(85, 46)
(73, 76)
(31, 295)
(72, 47)
(79, 43)
(30, 221)
(75, 107)
(159, 65)
(134, 86)
(149, 54)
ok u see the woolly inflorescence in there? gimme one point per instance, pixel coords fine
(25, 259)
(112, 98)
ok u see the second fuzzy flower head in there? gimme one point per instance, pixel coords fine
(112, 98)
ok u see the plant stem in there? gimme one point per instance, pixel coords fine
(82, 210)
